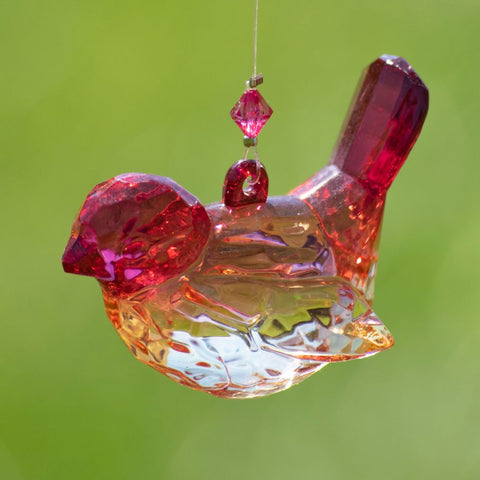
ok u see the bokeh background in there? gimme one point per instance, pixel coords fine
(93, 88)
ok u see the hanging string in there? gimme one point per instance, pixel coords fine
(254, 180)
(255, 39)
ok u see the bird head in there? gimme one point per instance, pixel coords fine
(136, 230)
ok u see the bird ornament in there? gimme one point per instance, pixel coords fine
(247, 297)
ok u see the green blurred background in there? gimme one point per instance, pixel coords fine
(93, 88)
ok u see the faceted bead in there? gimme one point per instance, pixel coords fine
(251, 112)
(135, 230)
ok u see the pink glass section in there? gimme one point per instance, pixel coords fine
(246, 182)
(251, 112)
(136, 230)
(384, 121)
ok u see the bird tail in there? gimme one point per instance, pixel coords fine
(381, 127)
(383, 123)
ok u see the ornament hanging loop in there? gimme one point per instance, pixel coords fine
(238, 191)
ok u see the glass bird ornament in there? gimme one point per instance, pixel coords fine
(250, 296)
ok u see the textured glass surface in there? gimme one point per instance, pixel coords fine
(263, 311)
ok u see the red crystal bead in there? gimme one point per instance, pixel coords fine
(136, 230)
(251, 112)
(383, 124)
